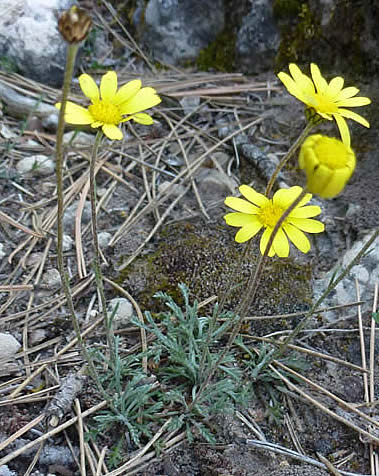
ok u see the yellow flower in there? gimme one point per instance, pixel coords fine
(328, 164)
(328, 100)
(109, 105)
(258, 212)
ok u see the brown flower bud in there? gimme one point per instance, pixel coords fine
(74, 24)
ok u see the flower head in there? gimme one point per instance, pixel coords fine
(328, 100)
(328, 164)
(74, 24)
(258, 212)
(109, 105)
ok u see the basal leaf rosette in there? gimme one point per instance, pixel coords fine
(110, 106)
(328, 164)
(329, 100)
(259, 212)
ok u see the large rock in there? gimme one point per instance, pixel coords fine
(30, 40)
(366, 273)
(258, 39)
(177, 30)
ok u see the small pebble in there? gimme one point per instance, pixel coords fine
(39, 165)
(104, 238)
(8, 346)
(124, 311)
(51, 279)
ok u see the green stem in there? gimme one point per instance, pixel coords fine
(287, 157)
(70, 61)
(95, 240)
(250, 296)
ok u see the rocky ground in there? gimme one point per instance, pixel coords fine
(152, 238)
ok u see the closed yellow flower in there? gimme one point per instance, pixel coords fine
(328, 164)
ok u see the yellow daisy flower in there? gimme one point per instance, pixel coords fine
(109, 105)
(328, 100)
(258, 212)
(328, 164)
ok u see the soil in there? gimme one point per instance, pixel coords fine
(200, 250)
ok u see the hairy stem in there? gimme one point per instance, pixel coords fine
(287, 157)
(70, 60)
(96, 258)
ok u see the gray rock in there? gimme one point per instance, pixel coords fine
(5, 471)
(79, 138)
(30, 39)
(8, 346)
(366, 273)
(177, 30)
(265, 163)
(104, 237)
(258, 39)
(67, 243)
(215, 185)
(38, 165)
(70, 213)
(2, 252)
(51, 279)
(123, 313)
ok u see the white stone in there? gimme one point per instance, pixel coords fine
(9, 346)
(29, 37)
(2, 252)
(81, 138)
(39, 165)
(67, 243)
(124, 311)
(51, 278)
(104, 238)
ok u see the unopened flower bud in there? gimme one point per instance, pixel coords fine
(74, 24)
(328, 164)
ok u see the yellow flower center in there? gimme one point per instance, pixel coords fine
(323, 103)
(105, 112)
(331, 153)
(269, 214)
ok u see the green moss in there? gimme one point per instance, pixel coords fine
(219, 54)
(204, 260)
(285, 8)
(299, 29)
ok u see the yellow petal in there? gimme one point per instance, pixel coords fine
(343, 128)
(334, 87)
(108, 86)
(337, 183)
(281, 245)
(308, 224)
(320, 82)
(127, 91)
(145, 98)
(354, 116)
(297, 237)
(143, 118)
(112, 132)
(286, 196)
(253, 196)
(291, 86)
(89, 87)
(304, 83)
(247, 232)
(264, 241)
(241, 219)
(348, 93)
(241, 205)
(353, 102)
(76, 114)
(318, 179)
(305, 212)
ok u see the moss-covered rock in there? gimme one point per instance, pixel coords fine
(206, 260)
